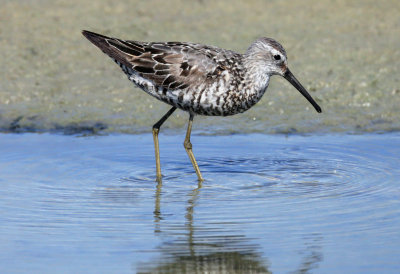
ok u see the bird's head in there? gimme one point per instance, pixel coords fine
(268, 54)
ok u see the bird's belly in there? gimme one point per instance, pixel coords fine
(211, 102)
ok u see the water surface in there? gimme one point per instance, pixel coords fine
(327, 203)
(270, 203)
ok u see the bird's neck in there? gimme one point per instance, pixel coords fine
(257, 76)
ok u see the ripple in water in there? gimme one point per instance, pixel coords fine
(269, 203)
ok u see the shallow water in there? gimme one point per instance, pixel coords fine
(323, 204)
(270, 203)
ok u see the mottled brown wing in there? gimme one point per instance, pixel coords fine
(171, 65)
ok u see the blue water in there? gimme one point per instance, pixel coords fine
(270, 203)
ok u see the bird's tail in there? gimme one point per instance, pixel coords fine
(117, 49)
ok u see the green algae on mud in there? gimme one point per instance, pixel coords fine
(54, 80)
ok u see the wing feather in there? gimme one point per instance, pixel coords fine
(170, 65)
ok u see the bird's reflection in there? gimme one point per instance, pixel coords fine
(189, 216)
(200, 251)
(157, 210)
(198, 246)
(312, 254)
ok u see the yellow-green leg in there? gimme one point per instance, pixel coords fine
(188, 146)
(156, 129)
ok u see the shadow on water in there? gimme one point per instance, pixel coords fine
(217, 250)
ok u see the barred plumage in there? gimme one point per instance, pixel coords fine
(197, 78)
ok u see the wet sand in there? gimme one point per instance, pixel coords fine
(345, 53)
(270, 203)
(310, 197)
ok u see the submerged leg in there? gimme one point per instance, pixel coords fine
(188, 146)
(156, 129)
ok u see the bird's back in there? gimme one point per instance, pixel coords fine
(194, 77)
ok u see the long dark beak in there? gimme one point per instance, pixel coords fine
(290, 77)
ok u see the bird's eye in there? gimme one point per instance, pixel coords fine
(277, 57)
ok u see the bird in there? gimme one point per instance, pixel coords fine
(199, 79)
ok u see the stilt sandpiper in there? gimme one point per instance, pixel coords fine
(199, 79)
